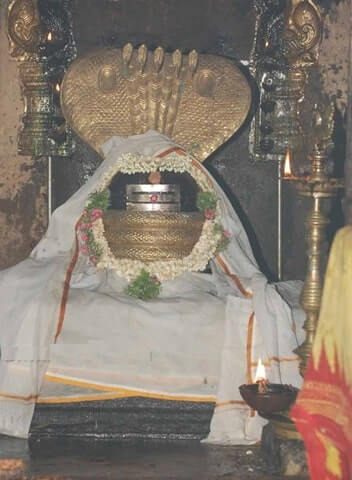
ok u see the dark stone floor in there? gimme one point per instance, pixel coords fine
(158, 460)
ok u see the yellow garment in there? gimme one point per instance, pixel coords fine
(334, 331)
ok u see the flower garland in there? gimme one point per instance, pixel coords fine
(146, 277)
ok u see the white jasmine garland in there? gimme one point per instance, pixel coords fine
(203, 250)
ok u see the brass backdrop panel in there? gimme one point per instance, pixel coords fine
(199, 101)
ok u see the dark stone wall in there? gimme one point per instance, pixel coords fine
(223, 27)
(23, 180)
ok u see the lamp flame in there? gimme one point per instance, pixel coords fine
(260, 373)
(57, 87)
(267, 44)
(287, 164)
(49, 37)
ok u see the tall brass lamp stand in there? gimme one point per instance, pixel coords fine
(317, 186)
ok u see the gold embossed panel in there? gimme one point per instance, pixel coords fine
(198, 100)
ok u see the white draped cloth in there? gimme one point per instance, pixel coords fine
(70, 331)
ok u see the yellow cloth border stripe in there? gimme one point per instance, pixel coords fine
(83, 398)
(129, 392)
(10, 396)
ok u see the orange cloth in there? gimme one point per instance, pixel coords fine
(323, 411)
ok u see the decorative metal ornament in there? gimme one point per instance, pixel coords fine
(286, 45)
(41, 65)
(158, 58)
(152, 236)
(197, 100)
(318, 186)
(107, 79)
(302, 33)
(23, 28)
(42, 118)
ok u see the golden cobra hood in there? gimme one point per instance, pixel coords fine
(198, 100)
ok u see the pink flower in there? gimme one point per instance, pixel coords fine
(84, 237)
(154, 197)
(226, 233)
(85, 213)
(84, 226)
(84, 249)
(96, 213)
(209, 213)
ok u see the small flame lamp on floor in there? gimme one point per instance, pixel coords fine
(272, 401)
(265, 397)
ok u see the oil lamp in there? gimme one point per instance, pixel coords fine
(265, 397)
(260, 378)
(287, 165)
(318, 186)
(56, 94)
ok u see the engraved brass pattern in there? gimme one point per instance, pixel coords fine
(286, 45)
(318, 186)
(151, 236)
(23, 28)
(197, 100)
(43, 131)
(40, 114)
(303, 32)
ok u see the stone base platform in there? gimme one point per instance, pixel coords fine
(127, 418)
(285, 455)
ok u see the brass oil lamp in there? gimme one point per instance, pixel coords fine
(273, 401)
(317, 185)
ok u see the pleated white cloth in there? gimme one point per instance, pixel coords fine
(198, 341)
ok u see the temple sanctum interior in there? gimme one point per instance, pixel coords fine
(175, 239)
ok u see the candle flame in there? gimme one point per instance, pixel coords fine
(267, 44)
(287, 164)
(57, 87)
(49, 37)
(260, 373)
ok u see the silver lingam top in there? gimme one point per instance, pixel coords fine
(153, 198)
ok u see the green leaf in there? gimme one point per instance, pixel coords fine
(144, 286)
(99, 200)
(206, 201)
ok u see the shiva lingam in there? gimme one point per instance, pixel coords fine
(268, 398)
(154, 216)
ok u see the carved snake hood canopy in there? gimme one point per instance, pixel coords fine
(199, 101)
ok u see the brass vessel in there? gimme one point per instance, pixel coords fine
(152, 236)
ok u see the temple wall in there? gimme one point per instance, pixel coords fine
(22, 181)
(223, 27)
(334, 53)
